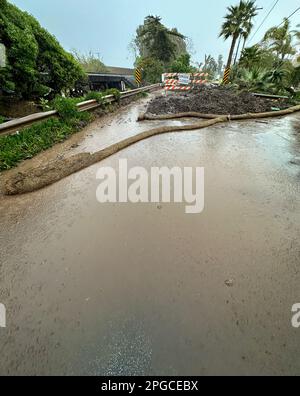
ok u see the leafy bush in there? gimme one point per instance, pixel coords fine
(252, 80)
(296, 97)
(113, 91)
(65, 107)
(256, 79)
(37, 64)
(2, 119)
(152, 69)
(93, 95)
(182, 65)
(44, 104)
(99, 96)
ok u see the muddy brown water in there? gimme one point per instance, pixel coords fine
(115, 289)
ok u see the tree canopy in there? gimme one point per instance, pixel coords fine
(154, 40)
(280, 40)
(159, 49)
(269, 66)
(238, 24)
(90, 63)
(36, 63)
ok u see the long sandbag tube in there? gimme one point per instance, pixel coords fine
(37, 178)
(192, 114)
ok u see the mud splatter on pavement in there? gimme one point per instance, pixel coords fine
(97, 289)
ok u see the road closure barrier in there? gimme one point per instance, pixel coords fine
(183, 81)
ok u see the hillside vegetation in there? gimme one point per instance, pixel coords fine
(36, 63)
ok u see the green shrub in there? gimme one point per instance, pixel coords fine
(36, 62)
(296, 97)
(152, 69)
(44, 104)
(113, 91)
(2, 119)
(99, 96)
(93, 95)
(65, 107)
(182, 64)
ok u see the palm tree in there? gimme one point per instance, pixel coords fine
(254, 80)
(250, 10)
(251, 56)
(238, 47)
(238, 23)
(297, 35)
(280, 40)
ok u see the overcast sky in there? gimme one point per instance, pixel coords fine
(107, 26)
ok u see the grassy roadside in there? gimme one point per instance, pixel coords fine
(41, 136)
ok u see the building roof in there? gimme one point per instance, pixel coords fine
(120, 70)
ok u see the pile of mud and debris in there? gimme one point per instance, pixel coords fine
(214, 100)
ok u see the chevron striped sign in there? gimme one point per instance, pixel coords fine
(226, 75)
(138, 76)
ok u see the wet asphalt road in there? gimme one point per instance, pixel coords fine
(115, 289)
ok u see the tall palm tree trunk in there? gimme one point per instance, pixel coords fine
(244, 44)
(233, 44)
(237, 51)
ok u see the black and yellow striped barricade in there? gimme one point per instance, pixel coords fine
(226, 75)
(138, 76)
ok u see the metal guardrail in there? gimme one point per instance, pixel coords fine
(261, 95)
(10, 127)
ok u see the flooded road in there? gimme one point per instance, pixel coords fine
(111, 289)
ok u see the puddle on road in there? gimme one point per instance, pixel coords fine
(95, 289)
